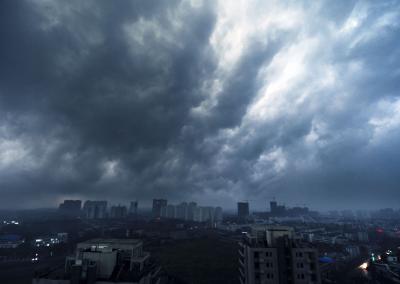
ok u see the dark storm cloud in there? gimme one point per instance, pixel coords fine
(199, 100)
(99, 98)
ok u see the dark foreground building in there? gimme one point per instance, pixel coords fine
(104, 261)
(271, 255)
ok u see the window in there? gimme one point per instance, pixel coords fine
(270, 276)
(300, 276)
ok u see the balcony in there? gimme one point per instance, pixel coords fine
(241, 253)
(241, 272)
(241, 262)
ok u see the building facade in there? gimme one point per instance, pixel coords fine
(272, 255)
(104, 261)
(133, 208)
(70, 208)
(95, 209)
(118, 212)
(243, 210)
(158, 205)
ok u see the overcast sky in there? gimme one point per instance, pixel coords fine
(212, 101)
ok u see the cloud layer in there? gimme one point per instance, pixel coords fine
(215, 101)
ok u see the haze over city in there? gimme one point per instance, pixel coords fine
(211, 101)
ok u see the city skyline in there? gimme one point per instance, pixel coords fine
(212, 101)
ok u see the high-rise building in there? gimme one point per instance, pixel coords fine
(277, 210)
(218, 215)
(118, 212)
(158, 204)
(171, 211)
(182, 211)
(70, 208)
(192, 212)
(104, 261)
(208, 214)
(204, 214)
(273, 255)
(133, 208)
(273, 205)
(243, 210)
(95, 209)
(197, 215)
(191, 209)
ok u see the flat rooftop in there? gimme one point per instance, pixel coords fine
(113, 241)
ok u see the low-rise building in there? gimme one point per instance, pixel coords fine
(11, 241)
(104, 261)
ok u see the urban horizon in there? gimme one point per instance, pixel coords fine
(147, 205)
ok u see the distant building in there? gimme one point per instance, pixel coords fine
(182, 211)
(273, 205)
(218, 215)
(298, 211)
(118, 212)
(352, 251)
(11, 241)
(70, 208)
(205, 214)
(62, 237)
(192, 212)
(273, 255)
(104, 261)
(362, 236)
(198, 214)
(191, 209)
(347, 214)
(277, 210)
(158, 204)
(170, 212)
(243, 210)
(49, 241)
(133, 208)
(95, 209)
(208, 214)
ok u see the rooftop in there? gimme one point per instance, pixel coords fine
(132, 242)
